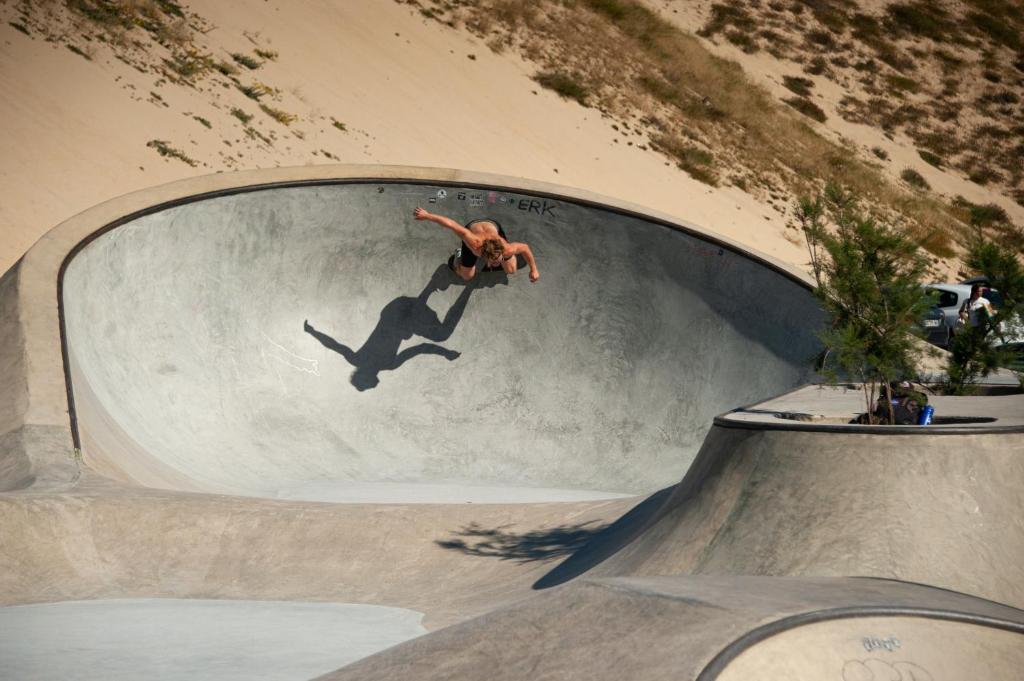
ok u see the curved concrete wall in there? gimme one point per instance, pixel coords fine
(932, 509)
(193, 369)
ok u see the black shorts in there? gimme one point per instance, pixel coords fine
(469, 258)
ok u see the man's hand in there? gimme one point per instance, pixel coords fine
(534, 275)
(421, 214)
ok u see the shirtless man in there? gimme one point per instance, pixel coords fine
(482, 239)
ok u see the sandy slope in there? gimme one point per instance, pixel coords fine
(75, 131)
(768, 72)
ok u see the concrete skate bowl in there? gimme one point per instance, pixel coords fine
(306, 341)
(207, 327)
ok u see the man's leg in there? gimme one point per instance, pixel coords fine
(463, 262)
(424, 349)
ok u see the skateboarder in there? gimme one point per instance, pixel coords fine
(483, 239)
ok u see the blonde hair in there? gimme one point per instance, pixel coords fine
(492, 249)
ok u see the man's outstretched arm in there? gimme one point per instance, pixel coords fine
(330, 343)
(522, 249)
(447, 223)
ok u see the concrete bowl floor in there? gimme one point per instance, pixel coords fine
(177, 639)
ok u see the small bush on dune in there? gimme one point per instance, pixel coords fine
(914, 179)
(166, 150)
(565, 85)
(695, 161)
(281, 117)
(798, 85)
(246, 61)
(807, 108)
(225, 68)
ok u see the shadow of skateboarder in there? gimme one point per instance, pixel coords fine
(400, 320)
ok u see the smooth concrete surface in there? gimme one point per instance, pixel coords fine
(685, 628)
(437, 493)
(114, 640)
(933, 509)
(449, 561)
(276, 341)
(882, 649)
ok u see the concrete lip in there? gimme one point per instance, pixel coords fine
(825, 407)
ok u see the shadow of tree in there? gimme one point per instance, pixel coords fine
(536, 545)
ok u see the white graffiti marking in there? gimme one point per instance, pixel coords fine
(877, 670)
(289, 358)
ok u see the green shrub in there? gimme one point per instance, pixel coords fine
(255, 91)
(742, 40)
(695, 161)
(565, 85)
(167, 151)
(225, 68)
(930, 158)
(281, 117)
(817, 66)
(984, 175)
(821, 38)
(726, 15)
(922, 18)
(241, 115)
(798, 85)
(914, 179)
(902, 83)
(246, 61)
(77, 50)
(868, 280)
(997, 29)
(190, 64)
(807, 108)
(976, 351)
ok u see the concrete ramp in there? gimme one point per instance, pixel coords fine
(731, 629)
(307, 342)
(796, 501)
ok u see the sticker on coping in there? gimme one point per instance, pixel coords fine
(491, 198)
(442, 194)
(461, 196)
